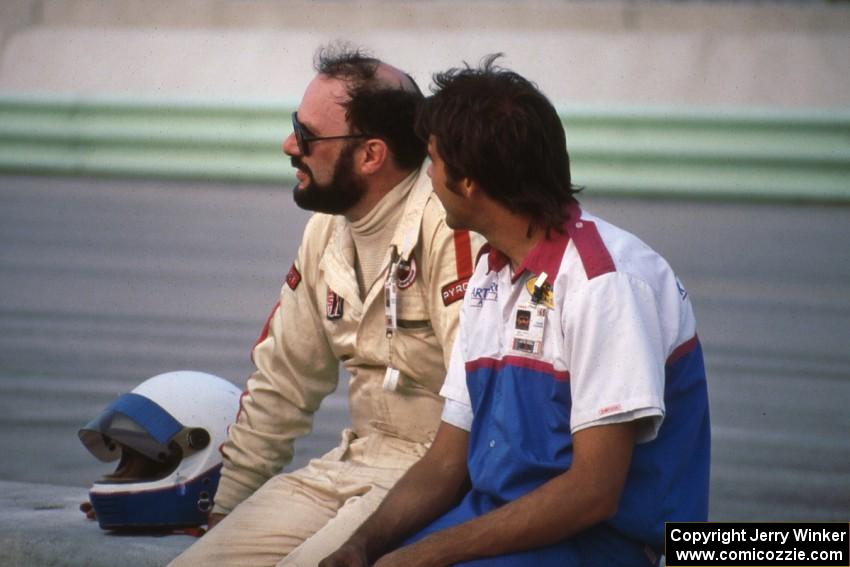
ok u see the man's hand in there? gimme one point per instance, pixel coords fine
(349, 555)
(431, 487)
(213, 519)
(87, 509)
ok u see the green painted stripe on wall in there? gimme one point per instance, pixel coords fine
(678, 152)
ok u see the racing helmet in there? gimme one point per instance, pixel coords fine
(166, 435)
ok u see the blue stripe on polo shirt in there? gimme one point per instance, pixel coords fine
(520, 437)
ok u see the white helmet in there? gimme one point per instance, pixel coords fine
(167, 432)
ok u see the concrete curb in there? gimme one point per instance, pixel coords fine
(648, 151)
(41, 525)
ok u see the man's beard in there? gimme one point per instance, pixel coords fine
(343, 192)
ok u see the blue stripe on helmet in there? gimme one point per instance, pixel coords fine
(147, 414)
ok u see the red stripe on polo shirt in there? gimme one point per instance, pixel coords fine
(518, 361)
(683, 349)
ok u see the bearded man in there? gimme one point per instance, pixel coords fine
(377, 286)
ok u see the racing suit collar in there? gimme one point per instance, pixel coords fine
(406, 236)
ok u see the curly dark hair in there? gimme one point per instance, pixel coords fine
(495, 127)
(375, 106)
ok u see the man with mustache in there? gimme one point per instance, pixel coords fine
(377, 286)
(576, 420)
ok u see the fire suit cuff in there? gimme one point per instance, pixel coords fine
(231, 492)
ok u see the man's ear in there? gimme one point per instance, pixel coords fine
(470, 188)
(374, 153)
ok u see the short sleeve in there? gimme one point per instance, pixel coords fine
(454, 388)
(458, 414)
(616, 355)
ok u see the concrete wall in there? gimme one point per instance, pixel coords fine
(764, 54)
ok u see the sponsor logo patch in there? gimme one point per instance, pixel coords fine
(610, 409)
(334, 306)
(478, 295)
(454, 291)
(548, 297)
(682, 291)
(293, 278)
(406, 273)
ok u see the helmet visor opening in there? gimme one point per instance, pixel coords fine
(136, 467)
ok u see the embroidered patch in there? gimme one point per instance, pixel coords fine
(293, 278)
(478, 295)
(682, 291)
(334, 306)
(548, 298)
(454, 291)
(406, 273)
(610, 409)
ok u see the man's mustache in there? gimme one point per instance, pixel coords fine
(298, 164)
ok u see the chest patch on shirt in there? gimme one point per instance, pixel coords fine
(454, 291)
(406, 273)
(334, 306)
(548, 297)
(478, 295)
(293, 278)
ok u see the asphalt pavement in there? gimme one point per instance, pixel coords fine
(104, 283)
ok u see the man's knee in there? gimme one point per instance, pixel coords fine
(328, 539)
(266, 527)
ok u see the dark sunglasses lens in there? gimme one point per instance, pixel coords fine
(299, 135)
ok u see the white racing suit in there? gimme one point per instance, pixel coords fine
(396, 375)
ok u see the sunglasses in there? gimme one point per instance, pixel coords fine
(303, 136)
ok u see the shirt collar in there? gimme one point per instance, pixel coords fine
(546, 255)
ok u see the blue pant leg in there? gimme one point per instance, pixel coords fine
(457, 515)
(602, 546)
(599, 546)
(564, 554)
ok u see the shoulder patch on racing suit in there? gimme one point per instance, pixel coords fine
(293, 278)
(455, 290)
